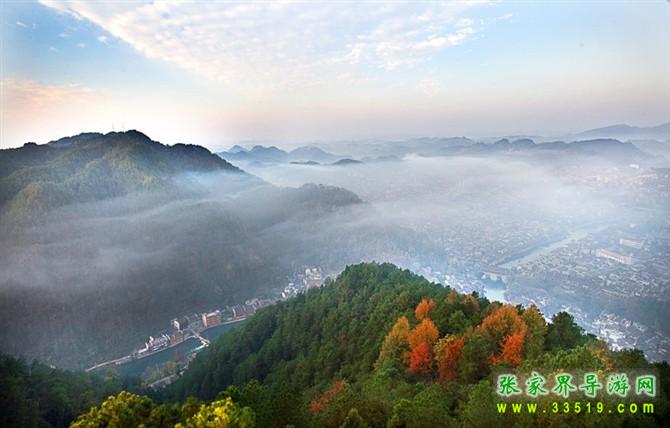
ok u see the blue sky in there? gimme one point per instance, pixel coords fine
(215, 73)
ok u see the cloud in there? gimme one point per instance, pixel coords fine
(59, 110)
(280, 44)
(430, 87)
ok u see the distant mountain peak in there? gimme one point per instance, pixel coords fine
(93, 166)
(237, 149)
(623, 131)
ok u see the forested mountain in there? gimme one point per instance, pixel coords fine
(92, 166)
(395, 350)
(380, 346)
(105, 238)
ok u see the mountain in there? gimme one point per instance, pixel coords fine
(312, 153)
(273, 154)
(257, 153)
(603, 148)
(380, 346)
(356, 345)
(237, 149)
(92, 166)
(105, 238)
(627, 132)
(346, 161)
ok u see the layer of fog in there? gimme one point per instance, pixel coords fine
(95, 279)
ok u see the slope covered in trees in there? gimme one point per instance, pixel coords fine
(105, 238)
(92, 166)
(35, 395)
(380, 346)
(387, 347)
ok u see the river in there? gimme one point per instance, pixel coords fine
(495, 290)
(187, 347)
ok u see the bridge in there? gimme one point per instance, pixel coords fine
(202, 340)
(495, 273)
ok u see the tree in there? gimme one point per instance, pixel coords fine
(537, 330)
(563, 332)
(425, 331)
(448, 351)
(512, 347)
(423, 309)
(504, 321)
(221, 414)
(354, 420)
(475, 359)
(458, 322)
(396, 344)
(123, 410)
(320, 403)
(421, 360)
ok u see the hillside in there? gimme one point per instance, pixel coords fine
(379, 346)
(105, 238)
(357, 344)
(92, 166)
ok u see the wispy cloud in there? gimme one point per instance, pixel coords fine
(281, 44)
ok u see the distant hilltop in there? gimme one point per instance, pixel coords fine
(93, 166)
(628, 132)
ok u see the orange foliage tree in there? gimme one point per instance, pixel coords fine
(512, 347)
(448, 351)
(396, 345)
(421, 360)
(423, 309)
(425, 331)
(502, 322)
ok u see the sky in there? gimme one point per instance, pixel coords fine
(221, 73)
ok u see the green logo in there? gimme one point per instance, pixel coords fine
(618, 384)
(563, 385)
(590, 385)
(534, 385)
(507, 385)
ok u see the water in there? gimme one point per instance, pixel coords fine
(494, 291)
(187, 347)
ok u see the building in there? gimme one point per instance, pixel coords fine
(211, 319)
(611, 255)
(631, 243)
(177, 337)
(180, 324)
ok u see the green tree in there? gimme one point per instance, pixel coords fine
(220, 414)
(354, 420)
(123, 410)
(537, 330)
(563, 332)
(474, 360)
